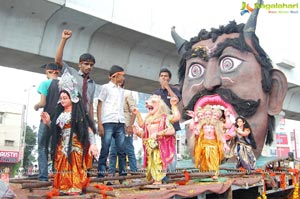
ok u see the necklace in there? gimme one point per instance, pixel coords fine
(63, 118)
(152, 120)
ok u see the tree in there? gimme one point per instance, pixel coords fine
(30, 142)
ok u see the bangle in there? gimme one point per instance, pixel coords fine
(163, 132)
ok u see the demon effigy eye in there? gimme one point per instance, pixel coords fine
(229, 64)
(196, 70)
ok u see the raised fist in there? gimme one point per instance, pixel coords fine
(66, 34)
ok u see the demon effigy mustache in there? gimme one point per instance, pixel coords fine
(242, 107)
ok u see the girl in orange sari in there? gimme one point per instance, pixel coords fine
(73, 140)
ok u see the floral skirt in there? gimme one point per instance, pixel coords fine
(154, 162)
(70, 177)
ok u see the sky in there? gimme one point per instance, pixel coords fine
(18, 86)
(278, 33)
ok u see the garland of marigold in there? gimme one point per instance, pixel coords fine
(282, 181)
(103, 189)
(296, 191)
(295, 181)
(263, 195)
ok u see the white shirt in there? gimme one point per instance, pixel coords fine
(112, 98)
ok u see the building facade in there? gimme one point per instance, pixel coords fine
(11, 131)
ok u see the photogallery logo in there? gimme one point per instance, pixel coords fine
(246, 8)
(273, 8)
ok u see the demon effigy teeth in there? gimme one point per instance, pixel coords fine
(215, 102)
(216, 107)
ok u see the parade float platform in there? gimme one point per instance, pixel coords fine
(274, 178)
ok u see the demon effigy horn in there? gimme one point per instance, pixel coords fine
(250, 26)
(179, 42)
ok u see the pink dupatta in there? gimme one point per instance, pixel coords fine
(166, 144)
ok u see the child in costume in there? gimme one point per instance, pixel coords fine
(209, 140)
(242, 144)
(158, 136)
(73, 140)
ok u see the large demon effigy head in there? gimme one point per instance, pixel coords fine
(228, 67)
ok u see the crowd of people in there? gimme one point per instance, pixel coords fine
(67, 123)
(213, 73)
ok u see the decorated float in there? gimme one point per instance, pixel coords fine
(224, 75)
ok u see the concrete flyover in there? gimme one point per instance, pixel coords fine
(31, 31)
